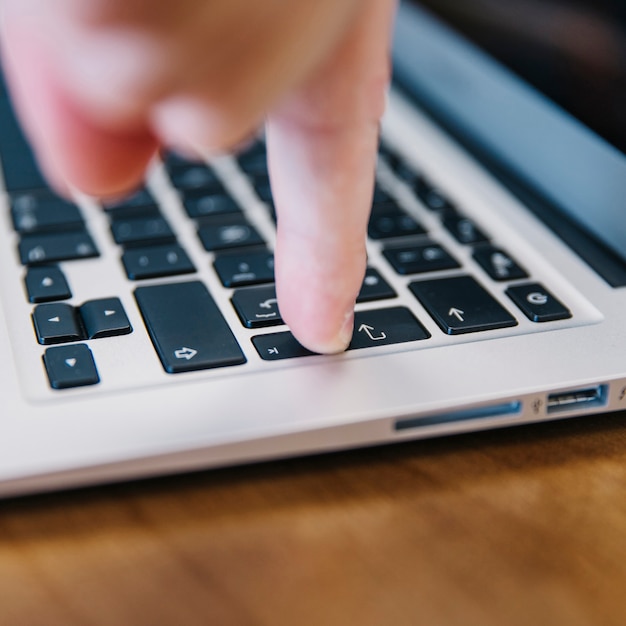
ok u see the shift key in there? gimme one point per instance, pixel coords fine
(187, 328)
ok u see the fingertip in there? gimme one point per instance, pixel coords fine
(73, 151)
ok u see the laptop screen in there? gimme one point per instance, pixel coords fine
(539, 86)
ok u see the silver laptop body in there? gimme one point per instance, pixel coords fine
(446, 376)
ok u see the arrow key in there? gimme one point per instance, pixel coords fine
(70, 366)
(56, 323)
(104, 318)
(460, 305)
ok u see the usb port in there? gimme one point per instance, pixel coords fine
(578, 399)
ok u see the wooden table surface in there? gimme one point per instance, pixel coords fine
(520, 526)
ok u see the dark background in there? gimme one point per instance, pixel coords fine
(572, 50)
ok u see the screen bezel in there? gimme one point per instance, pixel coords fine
(527, 134)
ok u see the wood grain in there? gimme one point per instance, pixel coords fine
(523, 526)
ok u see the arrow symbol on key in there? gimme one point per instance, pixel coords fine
(185, 353)
(70, 362)
(55, 319)
(457, 313)
(368, 330)
(109, 312)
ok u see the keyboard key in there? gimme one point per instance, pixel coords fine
(70, 366)
(228, 232)
(136, 231)
(263, 189)
(19, 167)
(46, 284)
(498, 263)
(383, 327)
(257, 307)
(54, 247)
(432, 197)
(194, 176)
(381, 197)
(463, 229)
(460, 305)
(387, 221)
(187, 328)
(239, 270)
(172, 159)
(428, 257)
(141, 202)
(156, 261)
(207, 204)
(253, 163)
(104, 318)
(56, 323)
(279, 346)
(401, 169)
(537, 303)
(374, 287)
(36, 213)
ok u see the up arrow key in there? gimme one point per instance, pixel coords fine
(457, 313)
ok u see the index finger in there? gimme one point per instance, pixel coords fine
(322, 144)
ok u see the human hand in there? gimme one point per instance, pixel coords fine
(101, 84)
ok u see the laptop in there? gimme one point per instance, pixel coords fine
(144, 338)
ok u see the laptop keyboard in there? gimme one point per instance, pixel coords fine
(447, 277)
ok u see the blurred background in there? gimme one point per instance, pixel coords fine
(572, 50)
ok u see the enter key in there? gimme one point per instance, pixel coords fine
(382, 327)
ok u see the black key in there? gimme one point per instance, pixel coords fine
(194, 176)
(380, 196)
(70, 366)
(239, 270)
(498, 263)
(537, 303)
(172, 159)
(56, 323)
(204, 204)
(187, 328)
(19, 167)
(463, 229)
(431, 196)
(253, 163)
(136, 231)
(374, 287)
(36, 213)
(54, 247)
(263, 189)
(156, 261)
(401, 169)
(257, 307)
(460, 305)
(228, 232)
(46, 284)
(383, 327)
(428, 257)
(279, 346)
(104, 318)
(141, 202)
(389, 221)
(380, 327)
